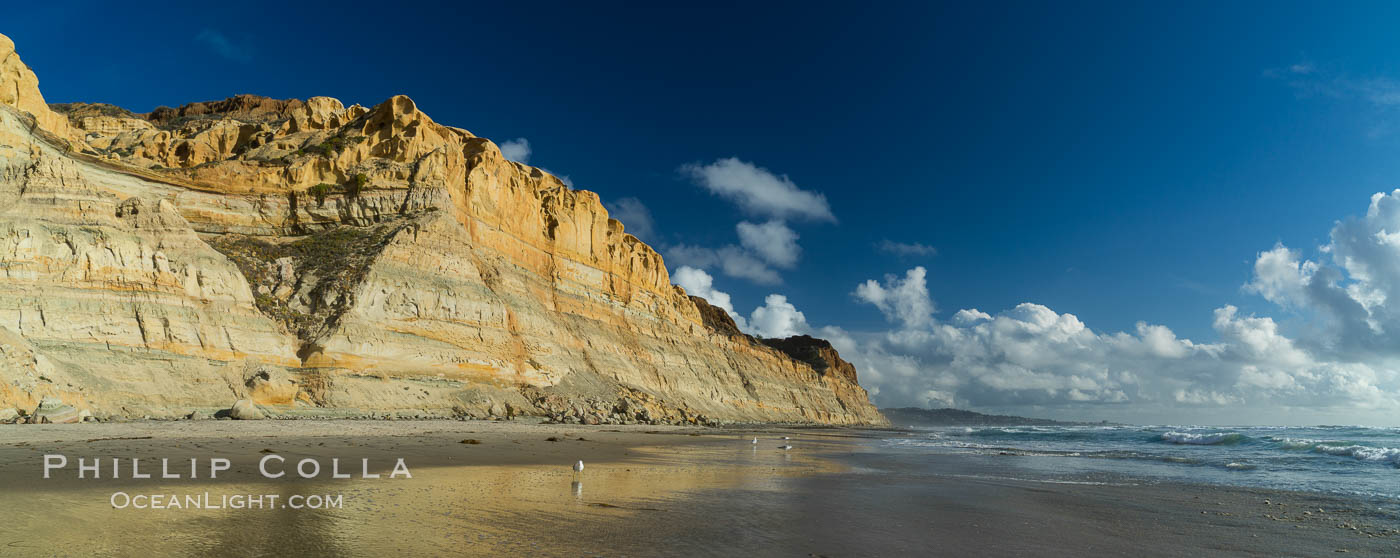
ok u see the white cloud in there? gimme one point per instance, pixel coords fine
(762, 246)
(969, 316)
(1033, 357)
(691, 256)
(735, 262)
(1280, 278)
(698, 283)
(517, 150)
(777, 318)
(1252, 376)
(773, 241)
(1257, 340)
(905, 249)
(1343, 360)
(1027, 356)
(635, 217)
(732, 260)
(906, 300)
(225, 47)
(1199, 397)
(759, 191)
(1351, 297)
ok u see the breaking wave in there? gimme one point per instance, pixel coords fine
(1338, 459)
(1362, 453)
(1204, 439)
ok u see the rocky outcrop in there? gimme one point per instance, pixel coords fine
(246, 108)
(716, 318)
(817, 353)
(19, 88)
(304, 255)
(53, 411)
(244, 409)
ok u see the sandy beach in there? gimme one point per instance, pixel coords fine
(506, 488)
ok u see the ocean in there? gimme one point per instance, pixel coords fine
(1340, 460)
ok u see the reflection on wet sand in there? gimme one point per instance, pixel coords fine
(473, 509)
(512, 491)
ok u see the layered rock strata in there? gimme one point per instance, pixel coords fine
(305, 255)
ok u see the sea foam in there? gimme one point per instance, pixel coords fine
(1203, 439)
(1362, 453)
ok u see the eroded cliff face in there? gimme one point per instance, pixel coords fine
(309, 255)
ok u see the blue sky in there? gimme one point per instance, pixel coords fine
(1121, 162)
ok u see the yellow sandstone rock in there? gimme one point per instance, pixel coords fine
(311, 255)
(19, 88)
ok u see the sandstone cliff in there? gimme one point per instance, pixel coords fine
(308, 255)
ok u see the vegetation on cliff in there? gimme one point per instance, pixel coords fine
(308, 283)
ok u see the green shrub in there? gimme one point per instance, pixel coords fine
(356, 185)
(320, 191)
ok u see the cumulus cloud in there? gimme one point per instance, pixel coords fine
(1034, 357)
(773, 241)
(687, 255)
(906, 300)
(517, 150)
(777, 318)
(762, 246)
(731, 260)
(1339, 355)
(224, 46)
(1353, 295)
(635, 217)
(1280, 278)
(1340, 359)
(735, 262)
(1343, 360)
(698, 283)
(905, 249)
(758, 190)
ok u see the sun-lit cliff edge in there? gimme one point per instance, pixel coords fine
(308, 255)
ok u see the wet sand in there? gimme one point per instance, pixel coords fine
(645, 491)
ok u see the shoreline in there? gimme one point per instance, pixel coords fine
(646, 490)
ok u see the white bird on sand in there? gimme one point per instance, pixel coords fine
(755, 440)
(784, 448)
(578, 467)
(785, 437)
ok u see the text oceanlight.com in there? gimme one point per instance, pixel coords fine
(207, 501)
